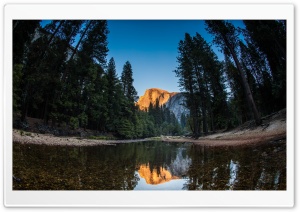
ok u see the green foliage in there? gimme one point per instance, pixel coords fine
(266, 41)
(60, 74)
(227, 37)
(200, 76)
(74, 123)
(125, 129)
(22, 132)
(28, 134)
(17, 92)
(139, 127)
(127, 83)
(67, 81)
(23, 32)
(83, 119)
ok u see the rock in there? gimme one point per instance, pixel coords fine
(176, 105)
(173, 100)
(151, 95)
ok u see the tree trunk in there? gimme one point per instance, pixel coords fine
(81, 37)
(194, 106)
(49, 42)
(247, 90)
(65, 73)
(45, 116)
(203, 101)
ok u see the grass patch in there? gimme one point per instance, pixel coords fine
(28, 134)
(22, 133)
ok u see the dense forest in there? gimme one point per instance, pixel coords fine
(248, 84)
(61, 75)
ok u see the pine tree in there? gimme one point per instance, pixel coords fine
(113, 96)
(128, 105)
(258, 73)
(43, 66)
(127, 83)
(187, 82)
(200, 77)
(227, 38)
(23, 33)
(269, 37)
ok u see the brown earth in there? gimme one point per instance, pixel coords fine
(273, 128)
(23, 137)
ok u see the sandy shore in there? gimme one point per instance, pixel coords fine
(49, 139)
(274, 130)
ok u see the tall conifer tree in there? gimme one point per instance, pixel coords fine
(226, 37)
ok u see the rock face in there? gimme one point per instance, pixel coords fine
(173, 100)
(151, 95)
(176, 105)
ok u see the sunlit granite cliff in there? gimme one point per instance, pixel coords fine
(151, 95)
(173, 100)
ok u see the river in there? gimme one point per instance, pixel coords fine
(151, 165)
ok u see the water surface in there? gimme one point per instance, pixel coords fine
(152, 165)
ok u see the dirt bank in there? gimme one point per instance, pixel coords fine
(23, 137)
(273, 128)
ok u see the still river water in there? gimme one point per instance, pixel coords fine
(152, 165)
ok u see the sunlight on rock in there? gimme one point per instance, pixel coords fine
(156, 176)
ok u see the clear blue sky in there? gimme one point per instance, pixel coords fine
(151, 48)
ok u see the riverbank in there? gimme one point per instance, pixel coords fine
(273, 128)
(24, 137)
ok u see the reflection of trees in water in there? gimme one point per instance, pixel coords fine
(260, 168)
(114, 167)
(89, 168)
(161, 162)
(74, 168)
(180, 165)
(158, 154)
(233, 175)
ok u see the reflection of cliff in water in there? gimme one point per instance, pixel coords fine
(163, 173)
(156, 176)
(123, 167)
(181, 164)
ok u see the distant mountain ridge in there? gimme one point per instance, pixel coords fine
(173, 100)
